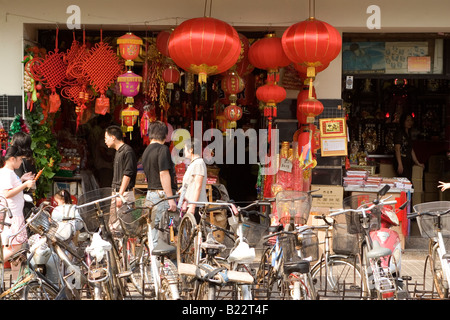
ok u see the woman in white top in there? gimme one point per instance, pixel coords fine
(12, 187)
(194, 179)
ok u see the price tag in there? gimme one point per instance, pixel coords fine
(285, 165)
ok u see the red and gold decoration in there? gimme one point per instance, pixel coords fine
(129, 47)
(232, 84)
(233, 113)
(129, 83)
(129, 117)
(309, 107)
(162, 43)
(171, 75)
(271, 94)
(204, 46)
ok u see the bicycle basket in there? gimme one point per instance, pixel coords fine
(428, 224)
(309, 246)
(294, 205)
(343, 242)
(43, 224)
(253, 232)
(353, 219)
(89, 213)
(133, 223)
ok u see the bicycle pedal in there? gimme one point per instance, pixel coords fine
(124, 274)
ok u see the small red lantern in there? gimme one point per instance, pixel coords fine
(267, 54)
(310, 107)
(129, 47)
(129, 118)
(271, 94)
(233, 113)
(312, 42)
(302, 96)
(232, 84)
(171, 75)
(204, 46)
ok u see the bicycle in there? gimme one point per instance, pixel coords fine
(153, 274)
(378, 281)
(105, 271)
(434, 224)
(4, 212)
(203, 272)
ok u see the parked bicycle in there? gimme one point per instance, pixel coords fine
(153, 273)
(433, 220)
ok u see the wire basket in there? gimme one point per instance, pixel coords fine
(309, 246)
(89, 213)
(253, 232)
(294, 205)
(428, 225)
(43, 224)
(353, 219)
(343, 242)
(133, 223)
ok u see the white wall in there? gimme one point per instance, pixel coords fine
(345, 15)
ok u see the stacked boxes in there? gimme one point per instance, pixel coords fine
(417, 181)
(432, 177)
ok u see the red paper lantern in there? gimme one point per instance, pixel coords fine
(129, 118)
(243, 66)
(204, 46)
(302, 96)
(310, 107)
(129, 85)
(271, 94)
(129, 47)
(171, 75)
(232, 84)
(267, 54)
(312, 43)
(162, 43)
(233, 113)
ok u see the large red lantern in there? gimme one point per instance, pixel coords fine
(232, 84)
(243, 66)
(171, 75)
(162, 43)
(233, 113)
(267, 54)
(310, 107)
(129, 47)
(204, 46)
(312, 42)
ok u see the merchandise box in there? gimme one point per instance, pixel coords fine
(387, 170)
(417, 172)
(417, 185)
(432, 176)
(431, 196)
(417, 197)
(332, 196)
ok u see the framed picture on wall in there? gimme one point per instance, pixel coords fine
(333, 137)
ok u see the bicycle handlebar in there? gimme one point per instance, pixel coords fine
(415, 214)
(296, 231)
(230, 205)
(363, 208)
(130, 209)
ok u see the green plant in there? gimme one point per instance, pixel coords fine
(45, 149)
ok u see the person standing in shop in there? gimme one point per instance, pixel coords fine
(124, 171)
(404, 155)
(159, 170)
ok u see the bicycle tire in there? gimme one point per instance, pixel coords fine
(140, 266)
(186, 251)
(337, 278)
(169, 282)
(436, 270)
(39, 291)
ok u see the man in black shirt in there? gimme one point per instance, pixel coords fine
(124, 170)
(160, 172)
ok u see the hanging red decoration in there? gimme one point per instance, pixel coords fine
(312, 42)
(162, 43)
(101, 67)
(267, 54)
(243, 66)
(129, 117)
(271, 94)
(233, 113)
(129, 83)
(129, 47)
(232, 84)
(51, 71)
(171, 75)
(302, 96)
(311, 107)
(204, 46)
(303, 70)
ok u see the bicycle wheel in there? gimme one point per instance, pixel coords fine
(269, 284)
(340, 277)
(186, 251)
(39, 291)
(140, 266)
(439, 279)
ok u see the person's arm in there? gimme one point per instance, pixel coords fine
(399, 158)
(444, 186)
(166, 183)
(197, 181)
(15, 191)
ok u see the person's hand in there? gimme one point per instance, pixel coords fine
(172, 205)
(420, 164)
(444, 186)
(29, 184)
(400, 169)
(27, 176)
(119, 202)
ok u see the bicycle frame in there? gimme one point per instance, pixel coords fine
(439, 240)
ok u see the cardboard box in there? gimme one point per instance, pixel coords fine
(332, 196)
(432, 176)
(431, 196)
(387, 170)
(417, 185)
(431, 186)
(417, 172)
(436, 164)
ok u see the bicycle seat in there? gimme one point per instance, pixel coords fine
(378, 251)
(163, 249)
(301, 266)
